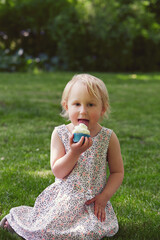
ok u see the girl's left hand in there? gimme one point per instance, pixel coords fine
(100, 203)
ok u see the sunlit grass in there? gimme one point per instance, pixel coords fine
(29, 111)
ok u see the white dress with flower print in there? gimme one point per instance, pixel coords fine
(59, 211)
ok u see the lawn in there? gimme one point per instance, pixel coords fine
(29, 111)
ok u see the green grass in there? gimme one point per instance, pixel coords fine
(29, 111)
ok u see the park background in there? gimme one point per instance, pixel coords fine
(83, 35)
(42, 45)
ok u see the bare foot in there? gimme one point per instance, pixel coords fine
(8, 227)
(6, 224)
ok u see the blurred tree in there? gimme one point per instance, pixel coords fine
(103, 35)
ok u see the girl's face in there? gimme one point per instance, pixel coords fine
(83, 107)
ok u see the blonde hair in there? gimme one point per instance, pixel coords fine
(95, 87)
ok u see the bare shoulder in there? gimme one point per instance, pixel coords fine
(114, 142)
(54, 135)
(57, 149)
(56, 142)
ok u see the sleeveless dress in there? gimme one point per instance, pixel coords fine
(60, 211)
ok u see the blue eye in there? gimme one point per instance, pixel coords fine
(90, 104)
(77, 104)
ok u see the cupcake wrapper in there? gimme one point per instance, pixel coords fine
(77, 136)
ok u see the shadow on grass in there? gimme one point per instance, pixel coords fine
(4, 235)
(134, 231)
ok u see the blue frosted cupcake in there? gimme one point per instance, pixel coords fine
(80, 131)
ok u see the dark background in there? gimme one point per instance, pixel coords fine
(92, 35)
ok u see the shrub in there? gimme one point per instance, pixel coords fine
(112, 35)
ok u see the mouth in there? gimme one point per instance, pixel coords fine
(84, 121)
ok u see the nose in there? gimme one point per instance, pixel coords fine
(83, 109)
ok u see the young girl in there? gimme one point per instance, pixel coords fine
(77, 205)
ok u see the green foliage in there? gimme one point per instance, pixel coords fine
(112, 35)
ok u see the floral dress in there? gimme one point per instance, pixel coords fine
(60, 211)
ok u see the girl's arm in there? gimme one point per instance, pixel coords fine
(116, 168)
(115, 179)
(61, 162)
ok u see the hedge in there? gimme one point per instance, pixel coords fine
(96, 35)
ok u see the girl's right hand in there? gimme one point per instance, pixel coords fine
(80, 146)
